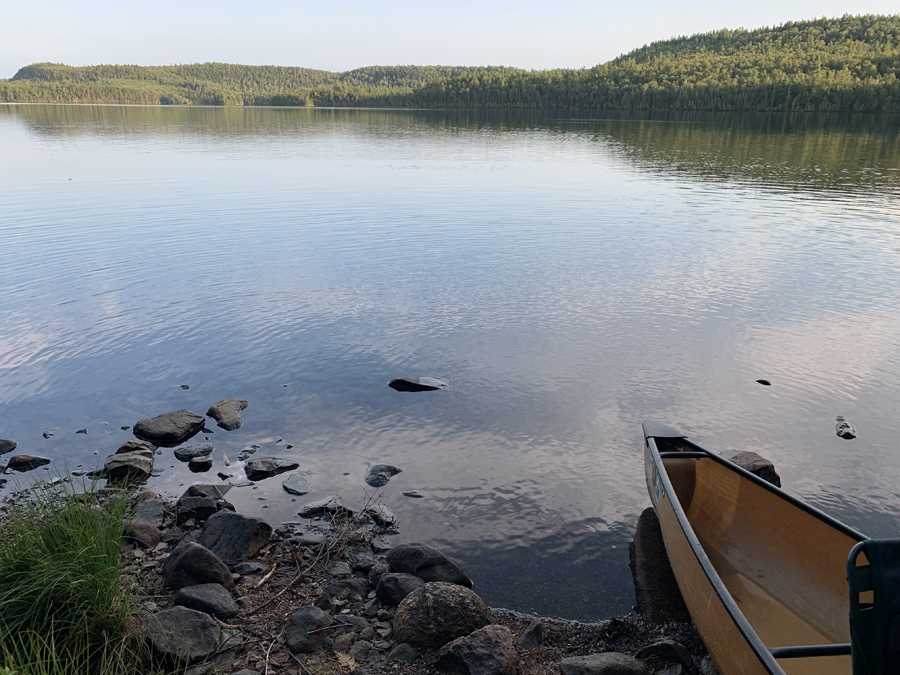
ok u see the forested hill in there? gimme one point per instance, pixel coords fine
(848, 63)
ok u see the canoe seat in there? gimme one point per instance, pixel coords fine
(875, 606)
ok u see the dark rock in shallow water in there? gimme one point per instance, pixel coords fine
(185, 386)
(170, 429)
(261, 468)
(192, 451)
(232, 536)
(758, 466)
(379, 474)
(49, 432)
(296, 484)
(843, 428)
(185, 635)
(227, 413)
(381, 514)
(328, 505)
(82, 431)
(133, 467)
(417, 384)
(212, 599)
(214, 491)
(658, 599)
(426, 562)
(135, 445)
(305, 629)
(764, 383)
(486, 651)
(191, 564)
(200, 464)
(437, 613)
(247, 451)
(26, 462)
(610, 663)
(415, 494)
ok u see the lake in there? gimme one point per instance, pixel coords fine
(570, 275)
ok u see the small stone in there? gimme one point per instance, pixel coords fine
(415, 494)
(261, 468)
(82, 431)
(247, 451)
(227, 413)
(708, 666)
(23, 463)
(327, 506)
(49, 432)
(665, 653)
(417, 384)
(200, 464)
(360, 650)
(125, 428)
(378, 475)
(843, 428)
(213, 599)
(404, 652)
(296, 484)
(185, 386)
(251, 568)
(765, 383)
(190, 452)
(610, 663)
(343, 643)
(196, 508)
(305, 629)
(531, 638)
(339, 569)
(381, 514)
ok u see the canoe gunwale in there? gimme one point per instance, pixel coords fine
(766, 658)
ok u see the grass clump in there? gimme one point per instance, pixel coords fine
(64, 605)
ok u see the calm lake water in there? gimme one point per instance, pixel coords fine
(571, 275)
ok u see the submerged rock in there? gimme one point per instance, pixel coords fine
(170, 429)
(843, 428)
(26, 462)
(193, 451)
(200, 464)
(296, 484)
(7, 446)
(261, 468)
(417, 384)
(227, 413)
(379, 474)
(49, 432)
(247, 451)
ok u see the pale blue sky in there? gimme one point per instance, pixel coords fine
(353, 33)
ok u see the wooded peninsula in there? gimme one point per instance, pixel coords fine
(851, 63)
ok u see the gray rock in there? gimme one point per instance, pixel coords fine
(708, 666)
(395, 586)
(437, 613)
(251, 568)
(26, 462)
(377, 570)
(379, 474)
(128, 467)
(531, 638)
(360, 650)
(343, 643)
(758, 466)
(213, 599)
(233, 536)
(296, 484)
(610, 663)
(347, 589)
(305, 629)
(843, 428)
(327, 506)
(198, 508)
(189, 452)
(415, 494)
(261, 468)
(404, 652)
(417, 383)
(50, 432)
(664, 653)
(170, 429)
(247, 451)
(658, 599)
(207, 490)
(426, 562)
(381, 514)
(227, 413)
(246, 671)
(191, 564)
(487, 651)
(144, 535)
(136, 445)
(200, 464)
(7, 446)
(339, 569)
(351, 622)
(184, 635)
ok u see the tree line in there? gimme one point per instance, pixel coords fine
(851, 63)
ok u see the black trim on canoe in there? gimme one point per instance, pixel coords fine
(811, 650)
(653, 431)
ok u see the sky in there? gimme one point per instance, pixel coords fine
(353, 33)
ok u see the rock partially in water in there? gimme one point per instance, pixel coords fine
(185, 386)
(50, 432)
(658, 598)
(227, 413)
(327, 506)
(379, 474)
(247, 451)
(82, 431)
(438, 613)
(132, 466)
(185, 635)
(843, 428)
(261, 468)
(207, 490)
(428, 563)
(757, 465)
(415, 494)
(487, 651)
(190, 452)
(296, 484)
(764, 383)
(7, 446)
(381, 514)
(417, 383)
(135, 445)
(200, 464)
(170, 429)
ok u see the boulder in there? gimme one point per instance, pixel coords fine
(191, 564)
(426, 562)
(610, 663)
(7, 446)
(843, 428)
(227, 413)
(658, 599)
(170, 429)
(487, 651)
(296, 484)
(186, 454)
(261, 468)
(395, 586)
(184, 635)
(417, 384)
(212, 599)
(758, 466)
(304, 631)
(26, 462)
(200, 464)
(132, 467)
(137, 445)
(665, 653)
(144, 535)
(531, 638)
(437, 613)
(233, 536)
(379, 474)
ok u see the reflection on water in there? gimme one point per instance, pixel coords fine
(570, 275)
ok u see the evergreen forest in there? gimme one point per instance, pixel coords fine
(851, 63)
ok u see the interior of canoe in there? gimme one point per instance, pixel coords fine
(783, 566)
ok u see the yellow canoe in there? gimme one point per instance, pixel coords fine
(762, 574)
